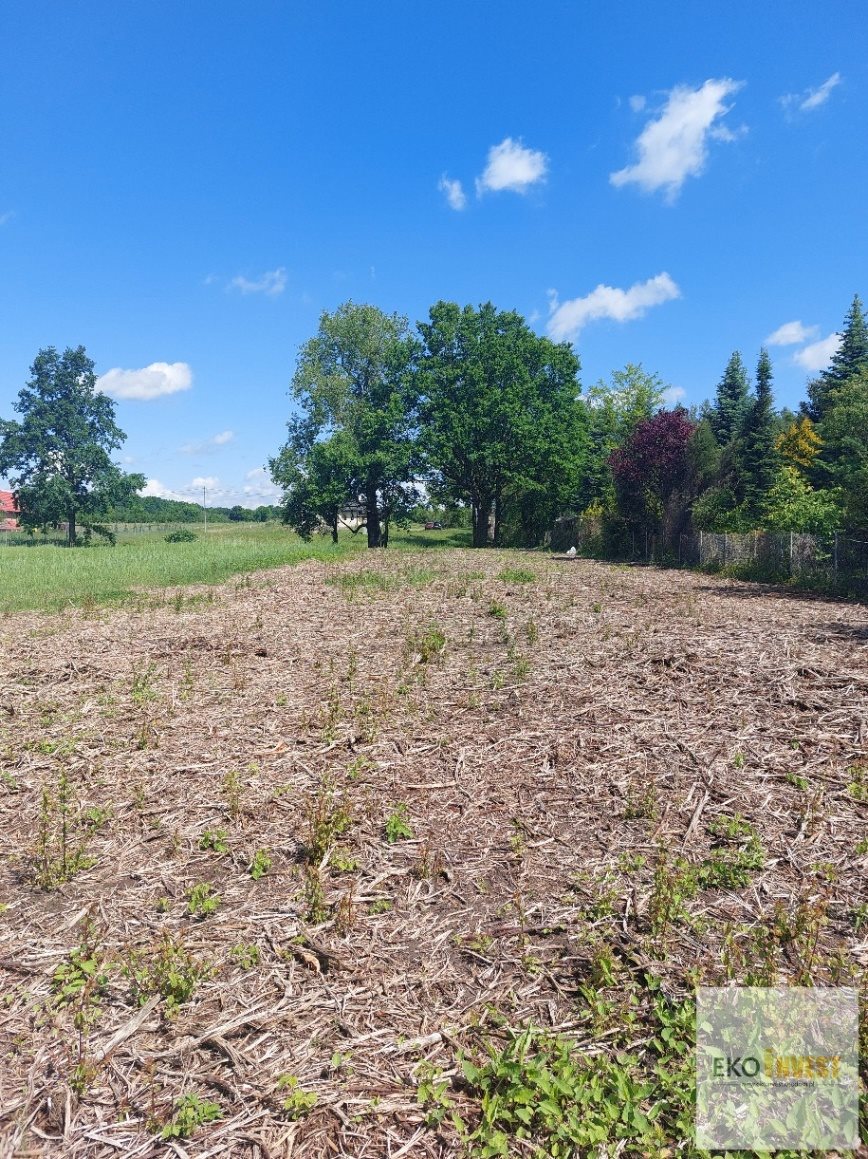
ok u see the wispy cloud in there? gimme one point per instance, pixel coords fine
(154, 381)
(810, 99)
(204, 446)
(568, 318)
(673, 395)
(674, 145)
(791, 334)
(271, 283)
(818, 355)
(513, 167)
(6, 217)
(453, 191)
(260, 486)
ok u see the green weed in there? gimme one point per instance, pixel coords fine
(191, 1112)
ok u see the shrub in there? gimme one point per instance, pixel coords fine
(181, 535)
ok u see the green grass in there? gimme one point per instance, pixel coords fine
(50, 577)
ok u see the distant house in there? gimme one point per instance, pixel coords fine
(8, 512)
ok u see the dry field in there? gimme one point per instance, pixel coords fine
(278, 856)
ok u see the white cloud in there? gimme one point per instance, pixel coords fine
(209, 482)
(673, 395)
(637, 103)
(568, 318)
(154, 489)
(791, 334)
(154, 381)
(271, 283)
(818, 355)
(512, 166)
(6, 217)
(674, 145)
(812, 98)
(205, 446)
(453, 191)
(259, 485)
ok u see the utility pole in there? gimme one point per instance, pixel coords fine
(205, 508)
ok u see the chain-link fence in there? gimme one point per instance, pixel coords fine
(835, 560)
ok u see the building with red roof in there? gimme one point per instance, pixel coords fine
(8, 512)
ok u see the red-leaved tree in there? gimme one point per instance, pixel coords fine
(651, 470)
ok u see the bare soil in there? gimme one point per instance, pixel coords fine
(556, 743)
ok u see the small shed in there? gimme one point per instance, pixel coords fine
(8, 512)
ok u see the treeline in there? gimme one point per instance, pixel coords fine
(151, 509)
(472, 412)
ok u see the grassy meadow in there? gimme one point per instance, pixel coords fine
(46, 575)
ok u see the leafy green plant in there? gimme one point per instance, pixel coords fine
(202, 901)
(232, 792)
(297, 1102)
(858, 787)
(169, 971)
(61, 838)
(245, 954)
(260, 864)
(214, 840)
(181, 535)
(432, 1093)
(326, 818)
(497, 610)
(428, 643)
(141, 687)
(191, 1112)
(397, 825)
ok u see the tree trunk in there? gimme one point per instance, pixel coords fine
(372, 517)
(70, 529)
(497, 519)
(335, 529)
(481, 511)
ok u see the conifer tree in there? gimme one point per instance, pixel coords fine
(731, 403)
(850, 357)
(758, 455)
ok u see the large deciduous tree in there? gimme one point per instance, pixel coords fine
(58, 457)
(352, 384)
(500, 421)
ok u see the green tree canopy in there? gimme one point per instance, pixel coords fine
(844, 451)
(500, 422)
(58, 457)
(352, 379)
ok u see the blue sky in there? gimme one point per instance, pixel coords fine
(186, 184)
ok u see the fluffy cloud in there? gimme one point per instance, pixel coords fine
(672, 395)
(154, 381)
(511, 166)
(453, 191)
(818, 355)
(674, 145)
(154, 489)
(791, 334)
(568, 318)
(271, 283)
(812, 98)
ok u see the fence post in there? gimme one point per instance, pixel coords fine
(724, 549)
(835, 554)
(700, 549)
(791, 553)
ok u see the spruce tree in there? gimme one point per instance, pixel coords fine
(850, 357)
(731, 403)
(758, 455)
